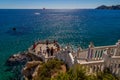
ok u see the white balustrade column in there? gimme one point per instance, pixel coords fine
(97, 55)
(102, 67)
(115, 51)
(90, 69)
(90, 51)
(101, 54)
(91, 55)
(94, 52)
(93, 68)
(117, 69)
(113, 71)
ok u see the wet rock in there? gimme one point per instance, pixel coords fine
(29, 69)
(21, 59)
(16, 60)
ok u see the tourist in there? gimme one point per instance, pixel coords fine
(34, 46)
(51, 51)
(48, 51)
(47, 42)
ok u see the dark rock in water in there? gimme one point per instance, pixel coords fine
(16, 62)
(14, 29)
(21, 59)
(19, 31)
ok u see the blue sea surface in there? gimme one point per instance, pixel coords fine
(73, 26)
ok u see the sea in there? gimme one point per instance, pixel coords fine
(76, 27)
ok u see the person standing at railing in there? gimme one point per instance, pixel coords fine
(40, 50)
(48, 51)
(51, 51)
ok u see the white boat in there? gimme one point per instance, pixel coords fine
(37, 13)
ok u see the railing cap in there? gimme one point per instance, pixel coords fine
(118, 43)
(79, 48)
(91, 45)
(119, 40)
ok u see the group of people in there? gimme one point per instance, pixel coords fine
(50, 51)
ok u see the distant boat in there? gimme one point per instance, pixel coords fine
(43, 8)
(37, 13)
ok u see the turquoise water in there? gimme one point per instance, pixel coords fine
(76, 27)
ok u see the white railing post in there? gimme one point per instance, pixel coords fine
(118, 48)
(90, 51)
(78, 52)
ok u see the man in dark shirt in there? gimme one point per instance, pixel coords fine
(51, 51)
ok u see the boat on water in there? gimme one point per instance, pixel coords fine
(37, 13)
(43, 8)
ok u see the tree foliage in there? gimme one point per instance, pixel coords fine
(79, 73)
(48, 69)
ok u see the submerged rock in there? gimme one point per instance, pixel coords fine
(14, 29)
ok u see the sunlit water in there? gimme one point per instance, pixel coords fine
(76, 27)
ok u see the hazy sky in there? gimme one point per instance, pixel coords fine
(59, 4)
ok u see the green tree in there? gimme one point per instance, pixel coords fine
(61, 76)
(105, 76)
(91, 77)
(48, 69)
(77, 73)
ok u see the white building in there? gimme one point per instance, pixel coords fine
(96, 58)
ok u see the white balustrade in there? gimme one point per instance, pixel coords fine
(92, 57)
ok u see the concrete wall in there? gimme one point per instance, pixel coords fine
(67, 57)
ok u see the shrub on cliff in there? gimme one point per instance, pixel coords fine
(48, 69)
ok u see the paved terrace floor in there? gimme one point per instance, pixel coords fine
(43, 47)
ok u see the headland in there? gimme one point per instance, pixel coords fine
(96, 58)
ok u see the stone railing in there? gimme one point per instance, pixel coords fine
(96, 53)
(98, 58)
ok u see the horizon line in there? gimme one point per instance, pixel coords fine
(47, 8)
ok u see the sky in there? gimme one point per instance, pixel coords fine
(55, 4)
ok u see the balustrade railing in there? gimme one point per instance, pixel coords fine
(97, 53)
